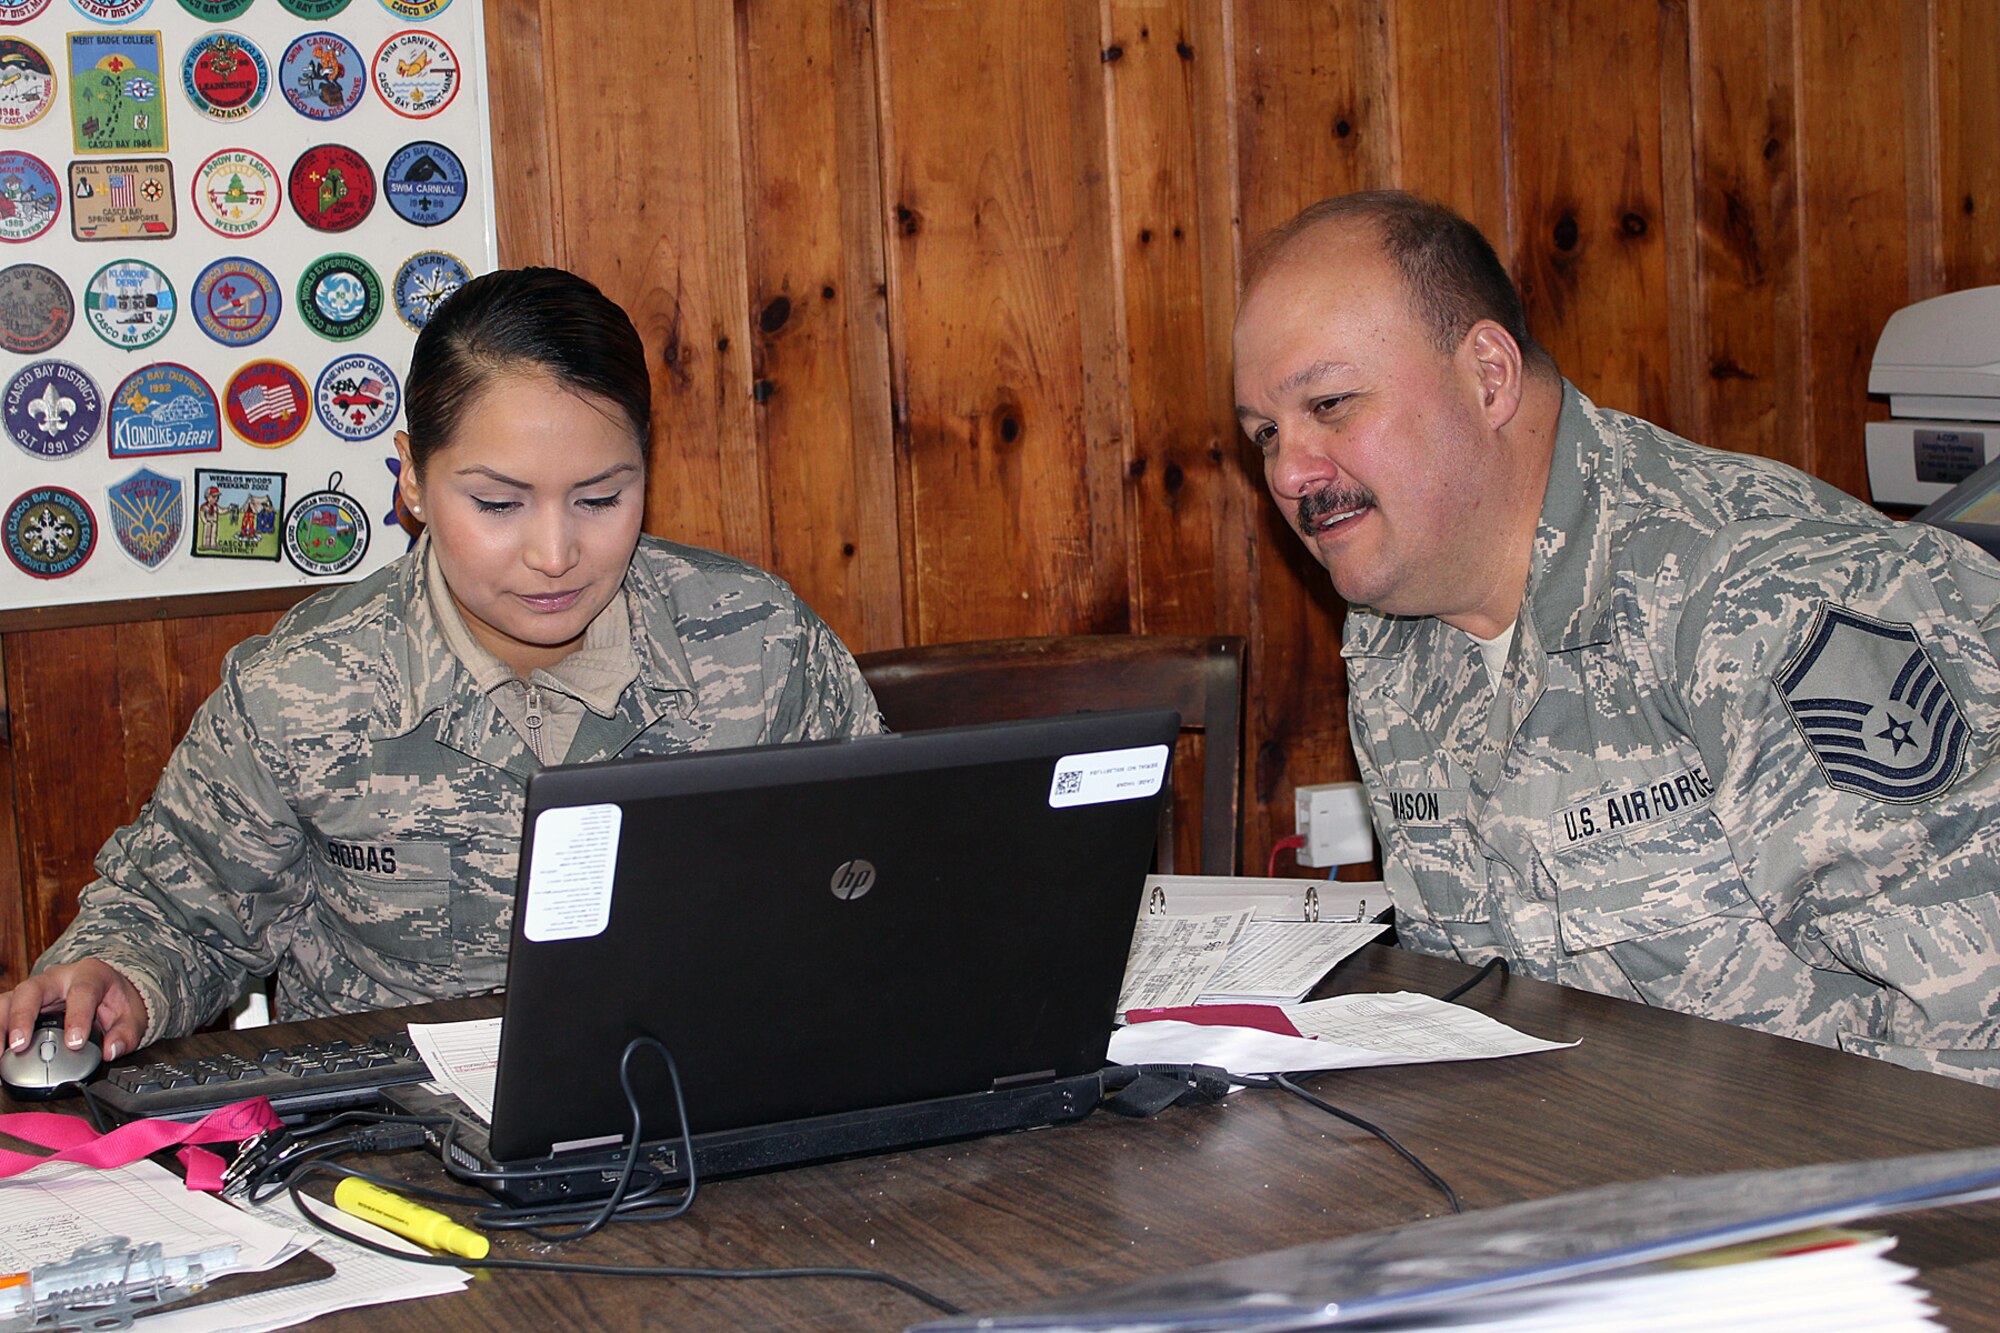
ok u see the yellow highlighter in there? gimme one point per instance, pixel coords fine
(412, 1221)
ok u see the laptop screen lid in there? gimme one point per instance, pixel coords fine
(824, 928)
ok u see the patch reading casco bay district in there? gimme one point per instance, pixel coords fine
(322, 76)
(225, 76)
(416, 74)
(129, 200)
(357, 397)
(20, 11)
(236, 301)
(49, 532)
(164, 409)
(52, 409)
(36, 309)
(326, 533)
(340, 297)
(148, 514)
(30, 198)
(424, 183)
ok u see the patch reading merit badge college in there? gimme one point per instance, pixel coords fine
(332, 188)
(236, 514)
(49, 532)
(424, 281)
(147, 516)
(27, 83)
(116, 102)
(326, 533)
(164, 409)
(20, 11)
(424, 183)
(266, 404)
(29, 196)
(36, 309)
(322, 76)
(340, 297)
(225, 76)
(52, 409)
(122, 201)
(416, 74)
(357, 397)
(236, 192)
(129, 304)
(236, 301)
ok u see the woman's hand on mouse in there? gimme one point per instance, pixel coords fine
(88, 993)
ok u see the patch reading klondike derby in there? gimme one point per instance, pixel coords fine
(266, 404)
(340, 297)
(331, 187)
(49, 532)
(122, 201)
(424, 281)
(216, 11)
(236, 301)
(322, 76)
(416, 74)
(27, 83)
(417, 11)
(164, 409)
(20, 11)
(236, 514)
(129, 304)
(326, 533)
(116, 102)
(236, 192)
(52, 409)
(225, 76)
(357, 397)
(29, 196)
(112, 11)
(148, 514)
(36, 309)
(424, 183)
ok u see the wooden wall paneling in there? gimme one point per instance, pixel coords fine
(1585, 111)
(1310, 122)
(14, 955)
(1449, 80)
(1853, 217)
(813, 216)
(1968, 128)
(985, 335)
(1746, 169)
(1921, 203)
(519, 88)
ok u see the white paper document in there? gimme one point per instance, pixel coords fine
(464, 1059)
(58, 1208)
(1173, 958)
(1344, 1032)
(1277, 962)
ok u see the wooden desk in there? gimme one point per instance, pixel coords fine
(1004, 1220)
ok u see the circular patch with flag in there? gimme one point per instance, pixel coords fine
(236, 301)
(357, 397)
(323, 76)
(225, 76)
(326, 533)
(52, 409)
(266, 404)
(332, 187)
(49, 532)
(340, 297)
(1873, 708)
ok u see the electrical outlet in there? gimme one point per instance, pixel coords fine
(1333, 819)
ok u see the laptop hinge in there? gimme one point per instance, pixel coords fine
(1024, 1080)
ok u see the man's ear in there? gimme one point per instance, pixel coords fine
(1496, 366)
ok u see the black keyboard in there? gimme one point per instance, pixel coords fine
(306, 1079)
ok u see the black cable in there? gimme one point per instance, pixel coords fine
(1285, 1081)
(1496, 961)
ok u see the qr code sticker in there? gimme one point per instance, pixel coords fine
(1069, 784)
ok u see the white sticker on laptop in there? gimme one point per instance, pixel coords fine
(573, 861)
(1108, 775)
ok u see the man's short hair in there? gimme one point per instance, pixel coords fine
(1452, 274)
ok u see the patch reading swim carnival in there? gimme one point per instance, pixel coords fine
(322, 76)
(52, 409)
(130, 200)
(148, 514)
(425, 183)
(1627, 808)
(1873, 708)
(416, 74)
(236, 192)
(225, 76)
(49, 532)
(164, 409)
(27, 83)
(36, 309)
(236, 301)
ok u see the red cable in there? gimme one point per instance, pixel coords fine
(1294, 841)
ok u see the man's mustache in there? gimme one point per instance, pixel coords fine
(1314, 506)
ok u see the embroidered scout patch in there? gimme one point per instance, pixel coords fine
(49, 532)
(416, 74)
(116, 101)
(52, 409)
(20, 11)
(424, 281)
(112, 11)
(424, 183)
(418, 11)
(340, 297)
(1873, 709)
(164, 409)
(27, 83)
(331, 187)
(326, 533)
(225, 76)
(236, 514)
(357, 397)
(322, 76)
(236, 192)
(315, 9)
(129, 304)
(29, 196)
(122, 201)
(236, 301)
(36, 309)
(266, 404)
(215, 11)
(148, 514)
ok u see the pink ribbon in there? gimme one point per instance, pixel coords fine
(75, 1141)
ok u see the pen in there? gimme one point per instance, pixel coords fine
(412, 1221)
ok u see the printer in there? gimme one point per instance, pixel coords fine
(1939, 363)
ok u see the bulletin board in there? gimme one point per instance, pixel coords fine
(221, 224)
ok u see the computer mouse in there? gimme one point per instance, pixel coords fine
(45, 1067)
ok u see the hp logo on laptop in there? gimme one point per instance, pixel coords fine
(852, 879)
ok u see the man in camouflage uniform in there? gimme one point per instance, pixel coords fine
(346, 809)
(1672, 724)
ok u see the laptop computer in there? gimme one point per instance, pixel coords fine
(848, 946)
